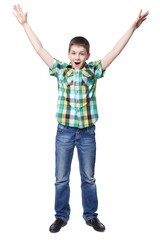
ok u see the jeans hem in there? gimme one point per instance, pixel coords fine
(89, 218)
(62, 218)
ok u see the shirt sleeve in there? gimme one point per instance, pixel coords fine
(98, 69)
(56, 69)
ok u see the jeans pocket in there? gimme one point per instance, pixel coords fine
(61, 128)
(91, 130)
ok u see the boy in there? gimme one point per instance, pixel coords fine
(76, 115)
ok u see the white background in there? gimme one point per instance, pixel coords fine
(127, 132)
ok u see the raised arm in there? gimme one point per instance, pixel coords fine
(37, 45)
(108, 59)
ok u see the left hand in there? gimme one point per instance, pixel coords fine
(140, 19)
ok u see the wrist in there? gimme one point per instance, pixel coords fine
(25, 23)
(133, 26)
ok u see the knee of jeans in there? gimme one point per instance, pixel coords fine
(62, 181)
(90, 180)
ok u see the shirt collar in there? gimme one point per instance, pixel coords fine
(86, 71)
(69, 66)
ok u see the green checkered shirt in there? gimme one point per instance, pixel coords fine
(76, 105)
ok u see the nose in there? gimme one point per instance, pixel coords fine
(77, 56)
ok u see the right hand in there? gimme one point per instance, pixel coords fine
(21, 17)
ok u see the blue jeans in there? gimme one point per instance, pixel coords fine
(84, 139)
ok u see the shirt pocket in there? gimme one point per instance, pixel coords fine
(88, 79)
(85, 82)
(67, 82)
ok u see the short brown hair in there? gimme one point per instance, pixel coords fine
(79, 41)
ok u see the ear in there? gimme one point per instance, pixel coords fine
(88, 56)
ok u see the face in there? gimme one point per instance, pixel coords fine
(78, 55)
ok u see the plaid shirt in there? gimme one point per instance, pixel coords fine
(76, 105)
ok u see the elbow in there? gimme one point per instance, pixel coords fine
(116, 52)
(38, 49)
(109, 58)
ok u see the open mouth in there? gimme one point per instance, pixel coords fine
(77, 63)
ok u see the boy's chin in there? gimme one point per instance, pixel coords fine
(76, 67)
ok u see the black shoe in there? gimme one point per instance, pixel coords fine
(56, 226)
(96, 224)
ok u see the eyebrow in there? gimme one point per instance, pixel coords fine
(80, 51)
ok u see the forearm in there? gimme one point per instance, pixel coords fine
(32, 37)
(124, 39)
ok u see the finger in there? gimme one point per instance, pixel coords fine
(26, 14)
(140, 13)
(145, 14)
(19, 7)
(144, 19)
(15, 8)
(14, 14)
